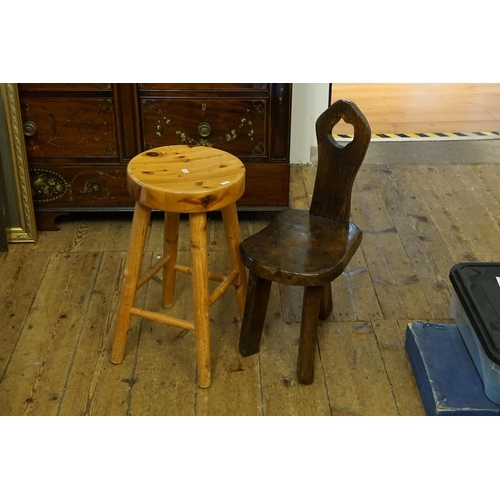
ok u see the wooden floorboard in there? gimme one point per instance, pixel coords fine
(398, 287)
(94, 386)
(355, 374)
(281, 392)
(59, 299)
(422, 241)
(165, 359)
(35, 378)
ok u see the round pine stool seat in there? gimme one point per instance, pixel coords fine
(186, 179)
(175, 180)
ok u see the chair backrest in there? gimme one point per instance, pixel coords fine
(338, 165)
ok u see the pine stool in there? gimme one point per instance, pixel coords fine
(175, 180)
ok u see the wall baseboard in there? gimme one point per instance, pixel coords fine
(314, 154)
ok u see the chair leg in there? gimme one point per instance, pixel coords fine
(254, 315)
(232, 228)
(326, 302)
(171, 236)
(308, 329)
(137, 243)
(199, 265)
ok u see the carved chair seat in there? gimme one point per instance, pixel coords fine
(301, 249)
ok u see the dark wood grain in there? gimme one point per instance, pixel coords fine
(46, 221)
(255, 314)
(266, 185)
(338, 165)
(308, 328)
(281, 113)
(128, 122)
(326, 305)
(70, 128)
(63, 87)
(71, 186)
(210, 87)
(236, 125)
(310, 248)
(301, 249)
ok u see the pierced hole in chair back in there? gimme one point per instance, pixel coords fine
(342, 128)
(338, 165)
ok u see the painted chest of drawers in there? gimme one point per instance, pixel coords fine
(80, 137)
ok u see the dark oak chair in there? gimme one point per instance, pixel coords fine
(308, 248)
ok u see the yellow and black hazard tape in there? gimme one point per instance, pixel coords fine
(432, 136)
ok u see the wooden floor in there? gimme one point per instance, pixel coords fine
(423, 108)
(59, 300)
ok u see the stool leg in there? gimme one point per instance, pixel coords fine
(254, 315)
(233, 237)
(308, 331)
(326, 302)
(129, 286)
(171, 232)
(199, 265)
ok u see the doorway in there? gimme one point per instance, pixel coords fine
(434, 108)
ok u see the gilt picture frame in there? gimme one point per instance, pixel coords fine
(24, 227)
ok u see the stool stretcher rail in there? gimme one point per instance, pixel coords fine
(221, 289)
(162, 318)
(153, 271)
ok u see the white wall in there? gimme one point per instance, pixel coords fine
(309, 100)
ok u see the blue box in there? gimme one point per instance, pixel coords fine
(446, 376)
(475, 307)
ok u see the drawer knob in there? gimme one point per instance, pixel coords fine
(204, 129)
(94, 186)
(29, 128)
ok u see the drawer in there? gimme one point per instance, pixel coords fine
(27, 87)
(238, 126)
(106, 186)
(69, 128)
(80, 186)
(204, 86)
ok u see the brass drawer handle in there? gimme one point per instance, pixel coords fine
(94, 186)
(29, 128)
(204, 129)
